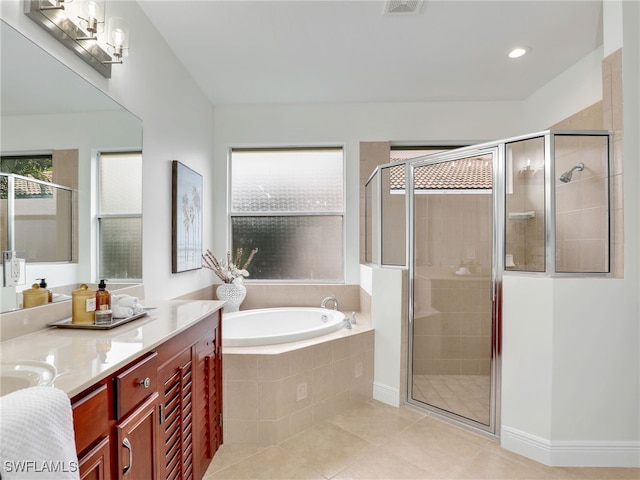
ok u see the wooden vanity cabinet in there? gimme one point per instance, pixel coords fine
(135, 438)
(158, 417)
(91, 428)
(209, 392)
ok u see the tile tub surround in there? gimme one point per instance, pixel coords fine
(274, 392)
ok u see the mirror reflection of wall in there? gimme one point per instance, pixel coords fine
(47, 109)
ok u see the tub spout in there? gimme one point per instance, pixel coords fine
(327, 300)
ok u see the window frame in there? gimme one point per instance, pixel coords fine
(342, 214)
(100, 216)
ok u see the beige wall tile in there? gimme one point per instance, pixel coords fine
(273, 367)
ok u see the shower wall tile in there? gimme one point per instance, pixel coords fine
(607, 114)
(372, 154)
(300, 295)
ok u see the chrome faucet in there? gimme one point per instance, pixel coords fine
(327, 300)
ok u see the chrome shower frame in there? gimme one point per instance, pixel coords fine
(498, 151)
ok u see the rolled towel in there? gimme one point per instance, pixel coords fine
(37, 440)
(125, 300)
(121, 312)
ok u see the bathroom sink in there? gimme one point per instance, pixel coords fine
(17, 375)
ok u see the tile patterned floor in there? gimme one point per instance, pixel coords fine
(466, 395)
(378, 442)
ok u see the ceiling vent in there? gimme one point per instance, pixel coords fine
(402, 7)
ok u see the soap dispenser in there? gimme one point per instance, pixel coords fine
(103, 304)
(34, 296)
(43, 285)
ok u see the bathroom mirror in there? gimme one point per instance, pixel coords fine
(46, 107)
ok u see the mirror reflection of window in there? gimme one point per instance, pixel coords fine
(120, 216)
(40, 204)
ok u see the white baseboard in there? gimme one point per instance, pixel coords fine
(386, 394)
(571, 454)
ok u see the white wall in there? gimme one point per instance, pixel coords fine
(571, 361)
(348, 125)
(384, 285)
(578, 86)
(177, 122)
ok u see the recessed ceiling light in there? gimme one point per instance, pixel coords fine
(518, 52)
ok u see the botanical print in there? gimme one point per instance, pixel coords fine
(186, 219)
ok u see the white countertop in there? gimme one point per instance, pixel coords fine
(83, 357)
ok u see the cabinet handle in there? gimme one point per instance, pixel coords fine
(126, 444)
(145, 383)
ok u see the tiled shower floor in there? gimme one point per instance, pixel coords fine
(465, 395)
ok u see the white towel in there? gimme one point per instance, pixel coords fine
(126, 301)
(36, 435)
(121, 312)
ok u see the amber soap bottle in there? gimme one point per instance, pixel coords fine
(103, 304)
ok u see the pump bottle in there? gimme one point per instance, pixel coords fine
(103, 304)
(43, 284)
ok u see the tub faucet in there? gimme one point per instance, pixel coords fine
(327, 300)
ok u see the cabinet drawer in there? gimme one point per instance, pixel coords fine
(90, 417)
(135, 384)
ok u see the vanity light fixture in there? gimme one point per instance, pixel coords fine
(94, 16)
(81, 32)
(57, 5)
(118, 41)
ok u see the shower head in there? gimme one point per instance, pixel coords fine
(566, 176)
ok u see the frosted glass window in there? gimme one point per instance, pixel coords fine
(120, 216)
(299, 248)
(301, 180)
(289, 203)
(121, 248)
(120, 183)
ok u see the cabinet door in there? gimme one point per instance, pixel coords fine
(208, 399)
(136, 435)
(96, 463)
(176, 443)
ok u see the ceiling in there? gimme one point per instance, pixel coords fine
(304, 51)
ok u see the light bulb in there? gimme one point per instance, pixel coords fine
(517, 52)
(92, 9)
(118, 36)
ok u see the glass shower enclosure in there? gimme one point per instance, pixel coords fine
(458, 221)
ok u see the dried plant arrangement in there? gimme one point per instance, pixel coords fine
(229, 270)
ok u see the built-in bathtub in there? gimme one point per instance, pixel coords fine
(273, 391)
(270, 326)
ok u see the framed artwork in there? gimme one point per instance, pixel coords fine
(186, 218)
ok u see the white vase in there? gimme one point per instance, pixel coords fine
(233, 294)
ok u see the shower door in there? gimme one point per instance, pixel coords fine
(453, 295)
